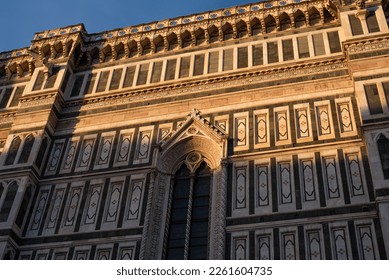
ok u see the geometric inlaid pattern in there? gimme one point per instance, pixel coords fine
(54, 212)
(74, 198)
(86, 152)
(302, 123)
(93, 205)
(340, 245)
(114, 196)
(308, 180)
(240, 187)
(240, 248)
(241, 131)
(69, 155)
(261, 128)
(135, 199)
(124, 146)
(56, 154)
(323, 117)
(289, 246)
(105, 149)
(355, 178)
(282, 125)
(285, 184)
(345, 117)
(314, 245)
(264, 247)
(331, 177)
(263, 185)
(144, 144)
(366, 243)
(127, 253)
(40, 210)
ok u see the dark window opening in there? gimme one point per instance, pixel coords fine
(189, 228)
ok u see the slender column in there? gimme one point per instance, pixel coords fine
(145, 232)
(189, 216)
(221, 213)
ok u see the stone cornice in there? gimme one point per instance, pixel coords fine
(207, 84)
(367, 44)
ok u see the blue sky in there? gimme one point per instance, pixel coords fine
(19, 20)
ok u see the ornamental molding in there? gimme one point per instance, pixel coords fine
(7, 118)
(266, 75)
(367, 45)
(42, 99)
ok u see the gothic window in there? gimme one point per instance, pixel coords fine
(189, 214)
(285, 23)
(314, 17)
(299, 19)
(120, 51)
(200, 36)
(13, 150)
(27, 147)
(159, 44)
(270, 23)
(227, 32)
(133, 49)
(146, 46)
(256, 27)
(8, 201)
(242, 29)
(213, 34)
(186, 39)
(107, 53)
(383, 149)
(95, 56)
(172, 41)
(327, 16)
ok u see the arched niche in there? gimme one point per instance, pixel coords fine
(194, 143)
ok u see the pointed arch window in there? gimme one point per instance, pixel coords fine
(383, 149)
(27, 147)
(189, 214)
(13, 150)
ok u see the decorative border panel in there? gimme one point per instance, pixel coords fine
(86, 153)
(123, 148)
(303, 123)
(241, 131)
(55, 157)
(282, 126)
(70, 154)
(240, 190)
(346, 118)
(105, 149)
(324, 122)
(261, 128)
(143, 148)
(263, 189)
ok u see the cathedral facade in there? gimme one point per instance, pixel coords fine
(253, 132)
